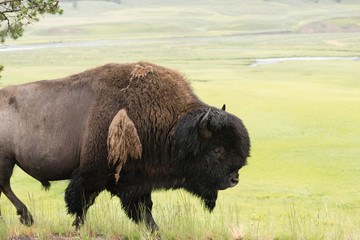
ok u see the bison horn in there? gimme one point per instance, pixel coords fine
(203, 131)
(223, 107)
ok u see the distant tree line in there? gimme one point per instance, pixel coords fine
(15, 14)
(316, 1)
(76, 1)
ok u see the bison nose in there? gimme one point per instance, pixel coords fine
(234, 181)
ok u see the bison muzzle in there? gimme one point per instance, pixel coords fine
(125, 128)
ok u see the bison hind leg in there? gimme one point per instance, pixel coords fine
(22, 211)
(6, 168)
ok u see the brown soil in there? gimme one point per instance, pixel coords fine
(71, 236)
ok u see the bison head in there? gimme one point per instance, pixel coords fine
(212, 145)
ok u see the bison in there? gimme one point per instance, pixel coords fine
(125, 128)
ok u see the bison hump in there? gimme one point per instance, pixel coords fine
(141, 71)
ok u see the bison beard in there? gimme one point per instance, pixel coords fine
(125, 128)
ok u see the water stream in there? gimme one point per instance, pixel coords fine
(7, 48)
(279, 60)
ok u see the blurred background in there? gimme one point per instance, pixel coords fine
(289, 69)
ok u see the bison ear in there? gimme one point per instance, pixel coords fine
(203, 125)
(223, 107)
(123, 142)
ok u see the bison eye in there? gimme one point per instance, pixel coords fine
(217, 152)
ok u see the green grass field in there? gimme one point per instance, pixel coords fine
(303, 177)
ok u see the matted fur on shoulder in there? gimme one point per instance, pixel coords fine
(123, 142)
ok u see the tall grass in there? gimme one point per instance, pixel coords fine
(184, 218)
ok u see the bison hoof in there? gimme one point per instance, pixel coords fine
(154, 227)
(26, 219)
(78, 222)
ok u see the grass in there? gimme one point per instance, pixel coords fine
(303, 178)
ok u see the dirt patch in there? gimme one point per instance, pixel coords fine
(336, 43)
(70, 236)
(327, 27)
(66, 31)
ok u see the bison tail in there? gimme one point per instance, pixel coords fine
(46, 185)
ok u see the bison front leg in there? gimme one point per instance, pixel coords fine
(81, 194)
(140, 208)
